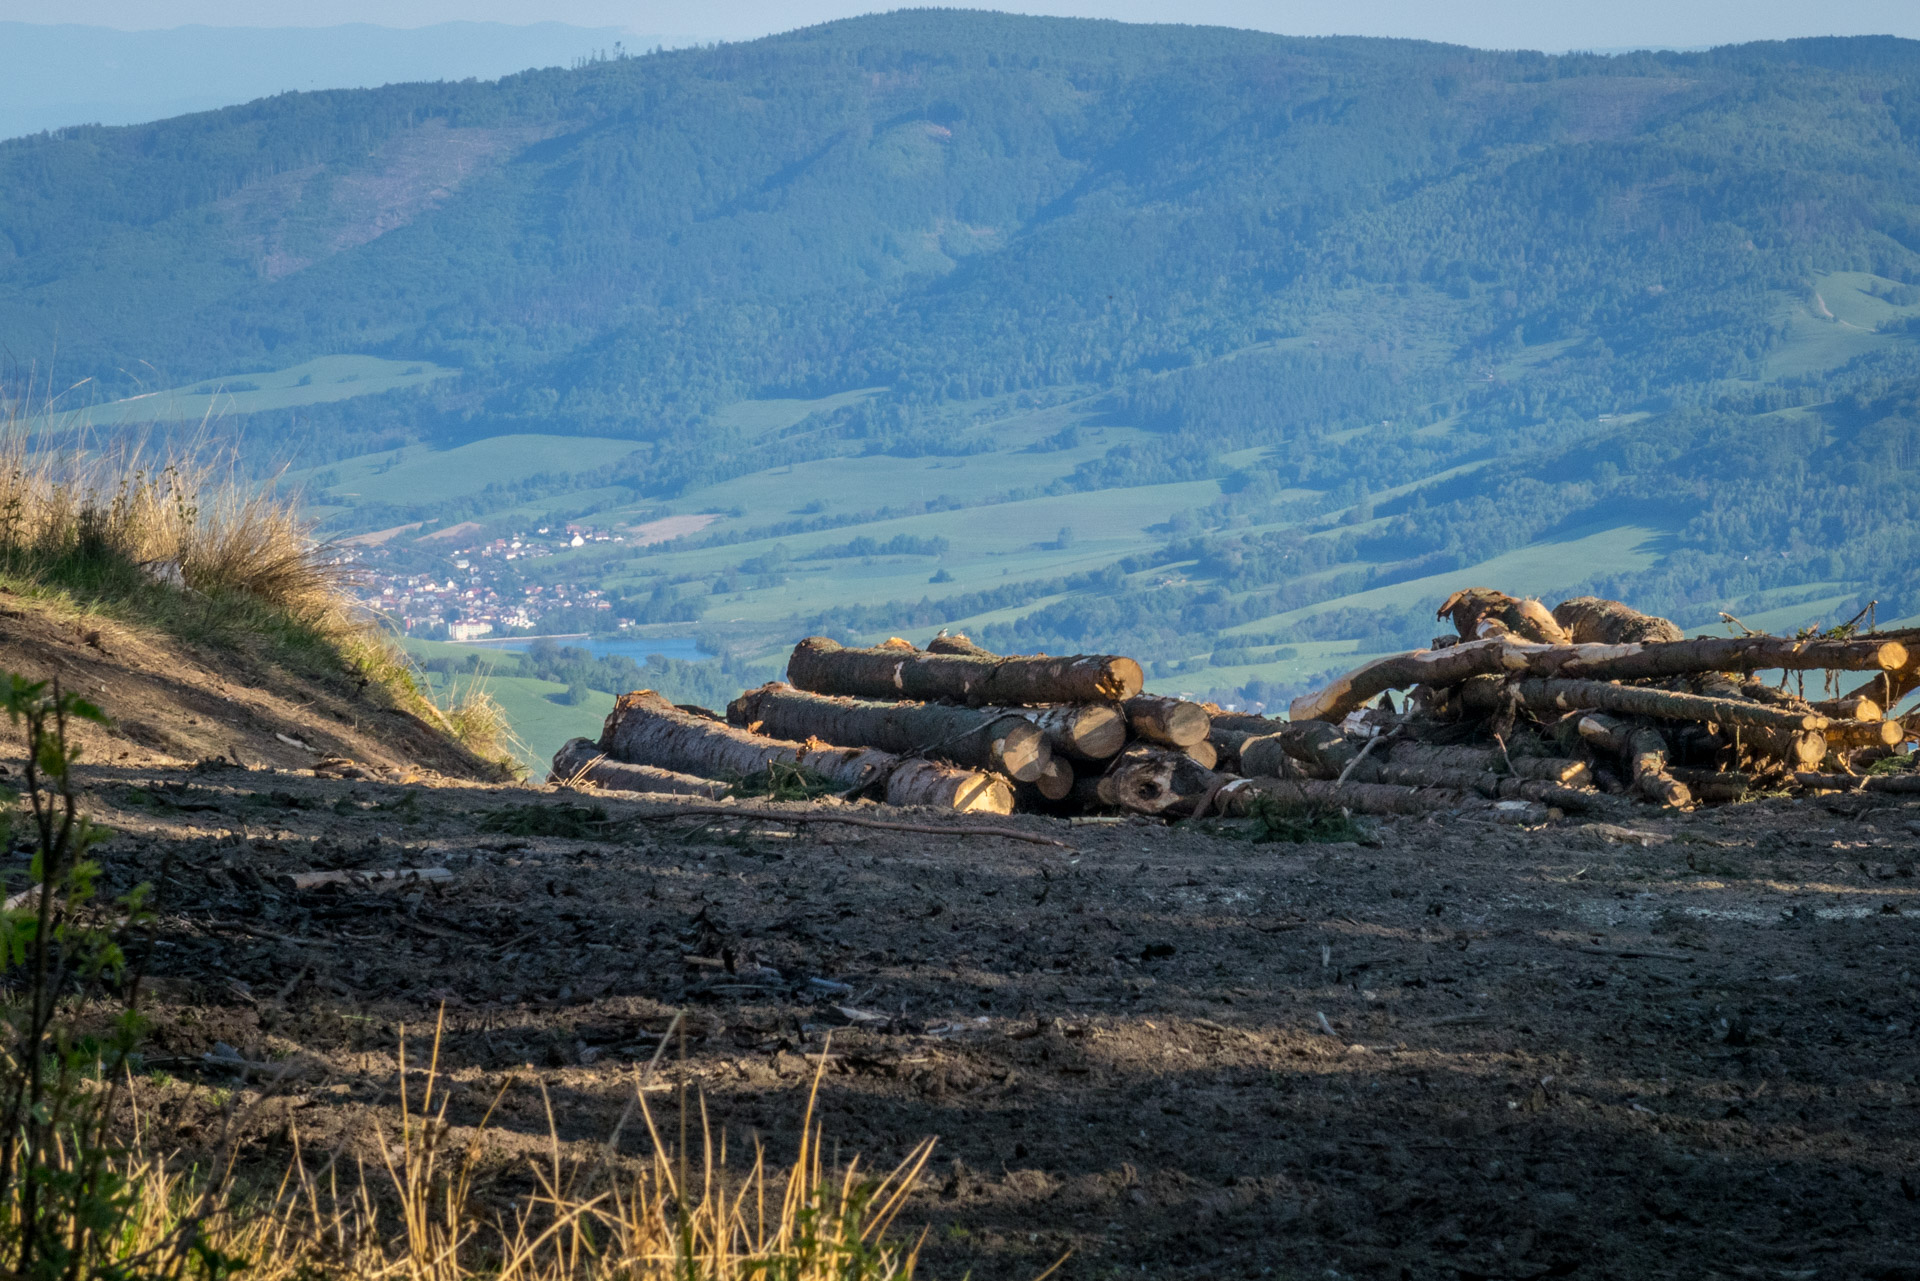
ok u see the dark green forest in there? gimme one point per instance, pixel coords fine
(1450, 302)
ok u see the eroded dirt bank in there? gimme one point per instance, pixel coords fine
(1457, 1050)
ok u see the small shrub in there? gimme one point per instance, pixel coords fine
(572, 822)
(783, 782)
(1277, 821)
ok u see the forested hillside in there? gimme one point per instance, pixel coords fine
(1207, 343)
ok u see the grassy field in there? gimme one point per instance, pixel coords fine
(315, 382)
(418, 474)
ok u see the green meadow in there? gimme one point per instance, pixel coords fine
(313, 382)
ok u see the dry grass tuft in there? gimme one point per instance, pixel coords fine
(186, 543)
(680, 1214)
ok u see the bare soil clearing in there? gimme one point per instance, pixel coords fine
(1682, 1047)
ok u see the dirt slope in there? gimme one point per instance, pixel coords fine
(1456, 1051)
(174, 703)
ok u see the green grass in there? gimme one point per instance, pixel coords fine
(313, 382)
(418, 474)
(762, 417)
(990, 546)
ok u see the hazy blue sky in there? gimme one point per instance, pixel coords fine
(1537, 24)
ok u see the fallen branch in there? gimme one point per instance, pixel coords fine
(1554, 697)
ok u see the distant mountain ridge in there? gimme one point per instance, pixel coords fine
(64, 74)
(1394, 309)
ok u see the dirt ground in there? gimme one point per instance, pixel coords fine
(1456, 1050)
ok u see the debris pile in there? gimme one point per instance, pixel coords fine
(1525, 713)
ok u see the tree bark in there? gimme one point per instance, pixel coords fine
(1553, 697)
(1629, 661)
(645, 729)
(1552, 769)
(1169, 721)
(1908, 783)
(582, 761)
(937, 786)
(1854, 707)
(981, 738)
(1647, 757)
(1608, 622)
(1795, 749)
(1480, 782)
(1086, 732)
(1321, 748)
(825, 667)
(958, 643)
(1056, 781)
(1847, 735)
(1481, 612)
(1239, 797)
(1151, 780)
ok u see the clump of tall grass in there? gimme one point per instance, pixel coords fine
(417, 1208)
(112, 521)
(184, 541)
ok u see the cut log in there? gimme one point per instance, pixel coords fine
(1591, 662)
(1734, 654)
(1792, 749)
(582, 761)
(987, 738)
(937, 786)
(1552, 769)
(1903, 783)
(1151, 780)
(1647, 757)
(1171, 722)
(1226, 747)
(1608, 622)
(1481, 782)
(1846, 735)
(1574, 799)
(1854, 707)
(1552, 697)
(1056, 781)
(826, 667)
(958, 644)
(1473, 760)
(1321, 748)
(1202, 753)
(1604, 732)
(1087, 732)
(1240, 796)
(645, 729)
(1481, 612)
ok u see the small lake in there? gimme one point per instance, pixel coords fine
(685, 648)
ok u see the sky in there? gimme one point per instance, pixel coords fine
(1551, 25)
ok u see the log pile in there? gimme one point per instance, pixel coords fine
(1526, 713)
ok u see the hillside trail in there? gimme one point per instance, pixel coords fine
(175, 703)
(1680, 1047)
